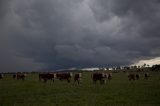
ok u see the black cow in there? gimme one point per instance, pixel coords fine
(1, 75)
(14, 76)
(137, 76)
(77, 77)
(99, 76)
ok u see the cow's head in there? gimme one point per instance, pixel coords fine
(55, 75)
(71, 74)
(25, 74)
(80, 74)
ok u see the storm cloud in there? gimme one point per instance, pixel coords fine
(60, 34)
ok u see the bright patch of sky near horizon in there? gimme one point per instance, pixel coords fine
(150, 62)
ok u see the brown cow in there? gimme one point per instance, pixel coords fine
(131, 77)
(47, 76)
(146, 76)
(99, 76)
(77, 77)
(21, 76)
(64, 76)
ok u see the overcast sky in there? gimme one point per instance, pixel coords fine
(60, 34)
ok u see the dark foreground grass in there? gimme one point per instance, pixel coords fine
(118, 92)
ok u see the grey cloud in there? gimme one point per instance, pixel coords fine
(58, 34)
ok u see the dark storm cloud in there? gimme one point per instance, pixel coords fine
(58, 34)
(139, 21)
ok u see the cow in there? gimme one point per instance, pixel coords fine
(146, 76)
(47, 76)
(131, 77)
(77, 77)
(137, 76)
(1, 75)
(64, 76)
(21, 76)
(14, 76)
(109, 76)
(99, 76)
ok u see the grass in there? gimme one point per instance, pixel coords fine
(118, 92)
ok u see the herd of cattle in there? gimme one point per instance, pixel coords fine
(61, 76)
(137, 76)
(102, 77)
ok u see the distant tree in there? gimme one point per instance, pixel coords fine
(131, 67)
(144, 64)
(126, 68)
(101, 69)
(118, 68)
(155, 68)
(135, 66)
(107, 68)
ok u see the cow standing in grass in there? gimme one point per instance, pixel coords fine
(64, 76)
(21, 76)
(77, 77)
(47, 76)
(100, 77)
(137, 76)
(14, 76)
(131, 77)
(109, 76)
(146, 76)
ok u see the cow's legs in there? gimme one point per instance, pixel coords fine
(45, 80)
(68, 80)
(22, 78)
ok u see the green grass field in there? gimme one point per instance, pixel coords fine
(118, 92)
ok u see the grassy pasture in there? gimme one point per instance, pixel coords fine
(118, 92)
